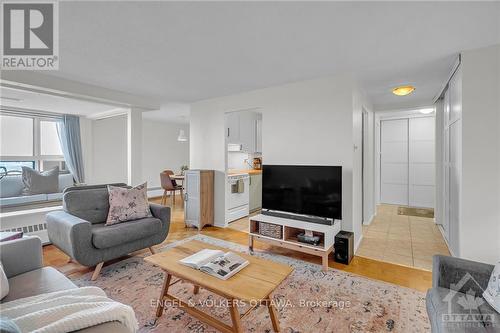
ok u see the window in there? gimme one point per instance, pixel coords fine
(49, 140)
(16, 135)
(31, 142)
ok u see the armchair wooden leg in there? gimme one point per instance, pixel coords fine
(152, 249)
(97, 270)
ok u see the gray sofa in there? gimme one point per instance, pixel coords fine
(79, 230)
(11, 188)
(448, 306)
(22, 262)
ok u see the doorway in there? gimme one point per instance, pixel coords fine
(407, 163)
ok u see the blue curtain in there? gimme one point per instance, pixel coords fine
(68, 130)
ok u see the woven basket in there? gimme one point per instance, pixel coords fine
(270, 230)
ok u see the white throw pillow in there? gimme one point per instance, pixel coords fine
(492, 292)
(4, 283)
(127, 204)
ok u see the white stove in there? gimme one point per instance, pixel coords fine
(238, 191)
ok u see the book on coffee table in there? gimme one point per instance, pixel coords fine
(217, 263)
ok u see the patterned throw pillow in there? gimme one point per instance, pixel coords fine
(127, 204)
(492, 292)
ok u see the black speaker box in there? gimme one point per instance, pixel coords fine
(344, 247)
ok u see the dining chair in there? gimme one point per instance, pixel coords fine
(169, 186)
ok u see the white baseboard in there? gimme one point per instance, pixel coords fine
(370, 220)
(358, 243)
(440, 227)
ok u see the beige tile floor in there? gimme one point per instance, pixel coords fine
(399, 239)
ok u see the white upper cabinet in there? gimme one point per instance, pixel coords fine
(244, 128)
(233, 128)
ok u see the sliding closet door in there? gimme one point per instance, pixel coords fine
(394, 162)
(421, 162)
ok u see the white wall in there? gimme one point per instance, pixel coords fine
(109, 152)
(360, 103)
(107, 158)
(480, 223)
(161, 150)
(309, 122)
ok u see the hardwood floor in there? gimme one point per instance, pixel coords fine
(236, 233)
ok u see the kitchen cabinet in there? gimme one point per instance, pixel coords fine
(199, 198)
(244, 128)
(258, 133)
(233, 128)
(255, 192)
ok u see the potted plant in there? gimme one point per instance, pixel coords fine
(183, 169)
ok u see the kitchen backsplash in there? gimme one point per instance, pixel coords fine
(236, 160)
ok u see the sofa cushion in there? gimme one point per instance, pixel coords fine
(23, 200)
(90, 204)
(54, 196)
(438, 305)
(65, 180)
(40, 182)
(43, 280)
(11, 186)
(104, 236)
(4, 283)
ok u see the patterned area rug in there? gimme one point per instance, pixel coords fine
(309, 300)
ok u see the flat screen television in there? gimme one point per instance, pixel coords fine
(303, 189)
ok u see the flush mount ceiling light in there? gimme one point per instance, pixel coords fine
(426, 111)
(182, 136)
(403, 90)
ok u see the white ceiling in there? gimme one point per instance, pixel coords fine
(170, 112)
(16, 98)
(188, 51)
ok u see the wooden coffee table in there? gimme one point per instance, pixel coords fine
(253, 284)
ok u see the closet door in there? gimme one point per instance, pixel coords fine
(421, 162)
(394, 162)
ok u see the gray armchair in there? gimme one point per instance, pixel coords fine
(80, 232)
(447, 300)
(22, 262)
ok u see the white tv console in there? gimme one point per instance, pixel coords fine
(290, 230)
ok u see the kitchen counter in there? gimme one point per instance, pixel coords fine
(249, 171)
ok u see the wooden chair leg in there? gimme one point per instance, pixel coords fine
(164, 199)
(97, 270)
(152, 250)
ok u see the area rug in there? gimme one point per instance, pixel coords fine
(418, 212)
(309, 300)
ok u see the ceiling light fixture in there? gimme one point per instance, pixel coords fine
(182, 136)
(426, 111)
(403, 90)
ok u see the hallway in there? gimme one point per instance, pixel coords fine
(401, 239)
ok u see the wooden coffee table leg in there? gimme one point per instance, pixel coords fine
(235, 316)
(273, 314)
(164, 291)
(250, 243)
(196, 289)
